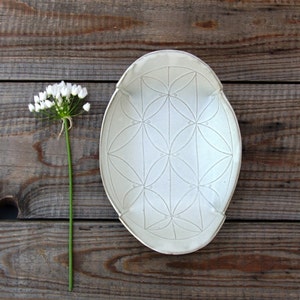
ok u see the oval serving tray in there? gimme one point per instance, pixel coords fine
(170, 151)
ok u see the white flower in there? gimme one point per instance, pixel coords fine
(61, 84)
(69, 86)
(37, 107)
(83, 93)
(65, 98)
(43, 96)
(49, 103)
(36, 99)
(43, 105)
(65, 92)
(75, 90)
(49, 90)
(87, 106)
(57, 95)
(54, 89)
(31, 107)
(59, 100)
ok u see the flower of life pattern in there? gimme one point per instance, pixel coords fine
(171, 152)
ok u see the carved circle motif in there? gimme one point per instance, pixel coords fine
(170, 152)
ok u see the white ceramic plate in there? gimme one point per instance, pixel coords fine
(170, 151)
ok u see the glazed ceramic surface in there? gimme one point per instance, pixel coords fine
(170, 151)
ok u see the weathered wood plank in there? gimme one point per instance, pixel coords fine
(269, 178)
(244, 261)
(99, 39)
(33, 162)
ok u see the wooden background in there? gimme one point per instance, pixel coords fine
(253, 46)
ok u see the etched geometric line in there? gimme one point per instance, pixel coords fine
(217, 136)
(214, 100)
(219, 175)
(127, 140)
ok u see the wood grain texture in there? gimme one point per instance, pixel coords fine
(98, 39)
(245, 261)
(34, 166)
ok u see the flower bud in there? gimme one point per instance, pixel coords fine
(65, 92)
(31, 107)
(37, 107)
(59, 100)
(36, 99)
(83, 93)
(49, 103)
(75, 90)
(57, 95)
(49, 90)
(87, 106)
(43, 105)
(61, 84)
(43, 96)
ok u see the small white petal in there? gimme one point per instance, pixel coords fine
(65, 92)
(61, 84)
(75, 90)
(42, 96)
(43, 105)
(87, 106)
(49, 103)
(57, 96)
(79, 88)
(36, 99)
(37, 107)
(60, 87)
(31, 107)
(83, 93)
(49, 90)
(54, 89)
(59, 101)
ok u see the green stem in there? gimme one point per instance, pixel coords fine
(66, 128)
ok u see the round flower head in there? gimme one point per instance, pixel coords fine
(60, 101)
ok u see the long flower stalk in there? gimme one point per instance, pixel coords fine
(62, 102)
(70, 171)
